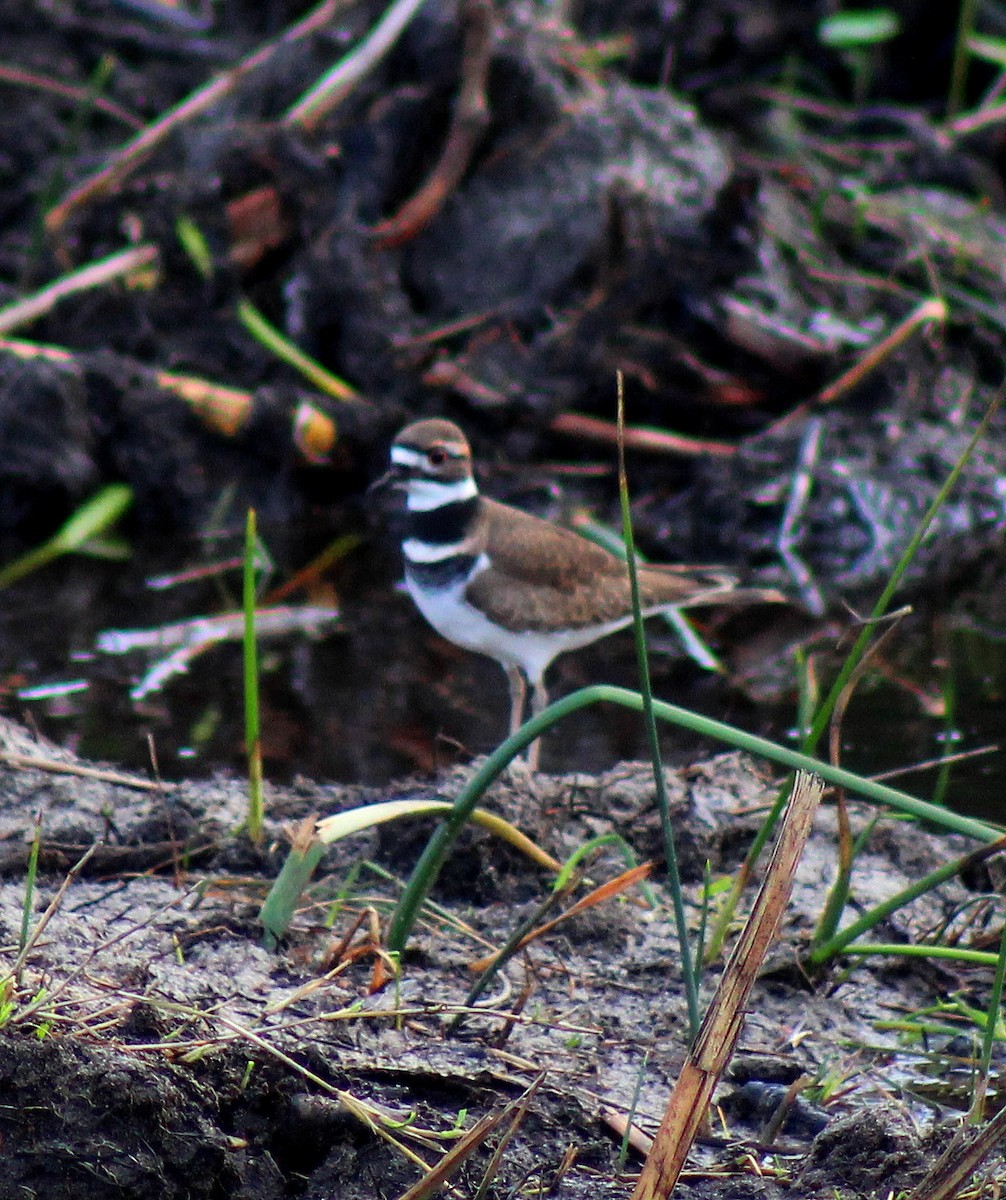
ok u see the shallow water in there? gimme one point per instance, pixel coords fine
(383, 696)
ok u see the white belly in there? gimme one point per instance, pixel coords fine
(456, 620)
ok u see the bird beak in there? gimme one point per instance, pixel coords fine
(392, 478)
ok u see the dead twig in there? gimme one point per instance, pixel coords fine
(125, 160)
(445, 372)
(973, 122)
(94, 275)
(193, 637)
(28, 762)
(224, 409)
(923, 314)
(19, 77)
(471, 116)
(519, 1109)
(50, 912)
(721, 1026)
(960, 1160)
(621, 1124)
(336, 84)
(929, 764)
(462, 1151)
(654, 441)
(364, 1113)
(32, 351)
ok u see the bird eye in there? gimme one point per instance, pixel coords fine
(437, 456)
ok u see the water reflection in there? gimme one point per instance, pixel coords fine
(382, 695)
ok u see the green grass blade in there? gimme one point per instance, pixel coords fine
(253, 737)
(862, 642)
(958, 954)
(630, 1116)
(959, 68)
(432, 859)
(863, 27)
(71, 148)
(195, 245)
(267, 335)
(284, 895)
(526, 925)
(93, 517)
(820, 954)
(367, 816)
(646, 690)
(625, 851)
(307, 849)
(839, 894)
(993, 1018)
(949, 736)
(29, 883)
(846, 673)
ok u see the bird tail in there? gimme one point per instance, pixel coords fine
(711, 585)
(736, 595)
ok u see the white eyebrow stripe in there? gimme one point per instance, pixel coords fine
(429, 552)
(404, 457)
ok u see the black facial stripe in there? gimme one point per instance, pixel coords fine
(444, 525)
(443, 574)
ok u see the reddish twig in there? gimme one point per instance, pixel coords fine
(655, 441)
(923, 314)
(93, 275)
(471, 116)
(126, 159)
(336, 84)
(18, 77)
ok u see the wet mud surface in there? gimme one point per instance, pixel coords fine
(152, 1046)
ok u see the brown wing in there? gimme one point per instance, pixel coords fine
(542, 574)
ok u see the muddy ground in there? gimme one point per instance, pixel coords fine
(797, 258)
(691, 193)
(153, 1047)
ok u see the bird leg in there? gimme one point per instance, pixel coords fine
(539, 699)
(518, 694)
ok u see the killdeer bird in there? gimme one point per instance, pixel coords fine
(510, 585)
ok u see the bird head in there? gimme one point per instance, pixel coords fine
(431, 462)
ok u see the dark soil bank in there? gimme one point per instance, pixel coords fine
(734, 254)
(153, 1048)
(796, 259)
